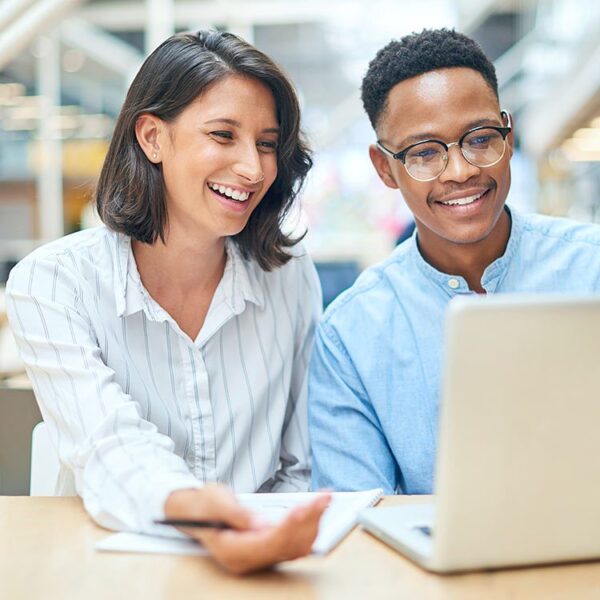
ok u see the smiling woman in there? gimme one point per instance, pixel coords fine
(218, 157)
(131, 191)
(168, 349)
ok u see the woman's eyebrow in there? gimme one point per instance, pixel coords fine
(224, 120)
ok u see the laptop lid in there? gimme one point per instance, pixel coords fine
(518, 472)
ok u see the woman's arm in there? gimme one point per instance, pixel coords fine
(124, 469)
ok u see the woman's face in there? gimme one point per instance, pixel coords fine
(219, 158)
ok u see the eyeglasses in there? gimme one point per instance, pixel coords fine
(427, 160)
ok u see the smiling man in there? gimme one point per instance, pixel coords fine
(445, 143)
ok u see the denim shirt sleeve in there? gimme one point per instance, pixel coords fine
(349, 449)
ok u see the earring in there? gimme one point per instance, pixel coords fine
(154, 156)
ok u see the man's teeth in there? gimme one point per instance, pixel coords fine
(227, 191)
(463, 201)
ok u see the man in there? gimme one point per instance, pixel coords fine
(445, 144)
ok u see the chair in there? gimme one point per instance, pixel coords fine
(335, 277)
(19, 414)
(45, 465)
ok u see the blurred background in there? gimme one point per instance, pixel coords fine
(65, 66)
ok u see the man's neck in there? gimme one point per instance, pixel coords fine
(467, 260)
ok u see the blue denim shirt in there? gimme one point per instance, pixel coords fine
(375, 372)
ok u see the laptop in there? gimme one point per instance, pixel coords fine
(518, 468)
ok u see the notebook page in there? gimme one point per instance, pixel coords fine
(339, 518)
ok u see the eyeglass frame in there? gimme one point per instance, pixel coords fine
(401, 155)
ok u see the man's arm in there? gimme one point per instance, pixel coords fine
(350, 452)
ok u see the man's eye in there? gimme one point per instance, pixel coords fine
(480, 140)
(424, 153)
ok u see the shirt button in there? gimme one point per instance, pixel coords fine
(453, 283)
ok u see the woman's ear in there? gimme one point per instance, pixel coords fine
(382, 166)
(148, 129)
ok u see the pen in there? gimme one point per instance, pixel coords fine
(194, 523)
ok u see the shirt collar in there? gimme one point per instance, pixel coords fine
(493, 274)
(240, 282)
(130, 295)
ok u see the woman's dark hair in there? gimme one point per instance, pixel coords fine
(419, 53)
(130, 194)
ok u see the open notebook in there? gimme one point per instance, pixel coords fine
(337, 521)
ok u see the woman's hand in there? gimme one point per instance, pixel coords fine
(250, 545)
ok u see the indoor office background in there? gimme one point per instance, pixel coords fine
(65, 66)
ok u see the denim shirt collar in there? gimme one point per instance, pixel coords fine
(493, 274)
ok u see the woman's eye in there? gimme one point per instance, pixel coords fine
(226, 135)
(267, 146)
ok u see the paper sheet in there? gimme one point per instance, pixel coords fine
(153, 544)
(337, 521)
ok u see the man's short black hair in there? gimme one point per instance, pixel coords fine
(419, 53)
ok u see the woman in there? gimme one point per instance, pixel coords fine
(168, 349)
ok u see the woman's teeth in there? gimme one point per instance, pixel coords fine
(462, 201)
(227, 191)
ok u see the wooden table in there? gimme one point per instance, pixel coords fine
(47, 551)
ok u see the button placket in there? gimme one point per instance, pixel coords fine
(195, 391)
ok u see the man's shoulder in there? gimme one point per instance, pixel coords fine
(560, 230)
(373, 293)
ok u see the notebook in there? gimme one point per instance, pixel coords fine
(337, 521)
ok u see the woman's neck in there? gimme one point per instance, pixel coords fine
(180, 265)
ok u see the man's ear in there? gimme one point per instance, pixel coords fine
(148, 129)
(382, 166)
(510, 138)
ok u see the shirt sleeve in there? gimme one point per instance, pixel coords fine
(350, 450)
(294, 474)
(123, 468)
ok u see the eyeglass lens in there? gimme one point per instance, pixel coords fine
(482, 148)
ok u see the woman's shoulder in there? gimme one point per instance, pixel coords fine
(92, 239)
(85, 250)
(297, 276)
(299, 263)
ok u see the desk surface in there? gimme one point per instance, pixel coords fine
(47, 551)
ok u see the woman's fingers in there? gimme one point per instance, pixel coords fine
(221, 505)
(301, 527)
(211, 503)
(244, 551)
(247, 546)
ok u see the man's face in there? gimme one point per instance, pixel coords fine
(443, 105)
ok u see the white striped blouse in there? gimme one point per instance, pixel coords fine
(137, 409)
